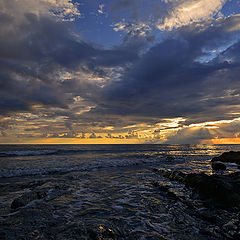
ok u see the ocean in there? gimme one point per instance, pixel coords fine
(102, 191)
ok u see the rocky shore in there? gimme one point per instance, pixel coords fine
(230, 157)
(219, 193)
(216, 190)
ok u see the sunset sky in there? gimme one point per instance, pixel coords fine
(120, 71)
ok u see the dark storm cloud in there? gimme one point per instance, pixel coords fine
(34, 53)
(26, 58)
(170, 80)
(44, 40)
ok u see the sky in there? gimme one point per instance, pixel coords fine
(120, 71)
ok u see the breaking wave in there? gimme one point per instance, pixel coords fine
(91, 166)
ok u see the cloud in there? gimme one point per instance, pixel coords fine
(186, 136)
(62, 9)
(189, 11)
(133, 28)
(47, 70)
(93, 135)
(169, 81)
(101, 9)
(34, 49)
(6, 124)
(37, 51)
(71, 86)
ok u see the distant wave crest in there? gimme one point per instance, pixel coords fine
(27, 153)
(20, 153)
(91, 166)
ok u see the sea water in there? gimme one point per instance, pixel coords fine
(110, 185)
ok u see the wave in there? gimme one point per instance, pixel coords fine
(22, 153)
(61, 167)
(27, 153)
(62, 152)
(91, 166)
(145, 150)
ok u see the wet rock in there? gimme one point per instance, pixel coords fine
(52, 194)
(92, 234)
(208, 215)
(232, 157)
(165, 189)
(27, 198)
(218, 166)
(221, 191)
(174, 175)
(108, 233)
(170, 158)
(85, 231)
(160, 186)
(230, 227)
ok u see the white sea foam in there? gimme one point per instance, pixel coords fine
(86, 166)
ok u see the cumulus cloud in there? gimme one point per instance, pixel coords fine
(63, 9)
(136, 29)
(189, 11)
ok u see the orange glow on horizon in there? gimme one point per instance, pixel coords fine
(222, 141)
(74, 141)
(107, 141)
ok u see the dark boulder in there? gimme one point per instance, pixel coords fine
(218, 166)
(231, 157)
(48, 191)
(216, 189)
(172, 175)
(220, 191)
(27, 198)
